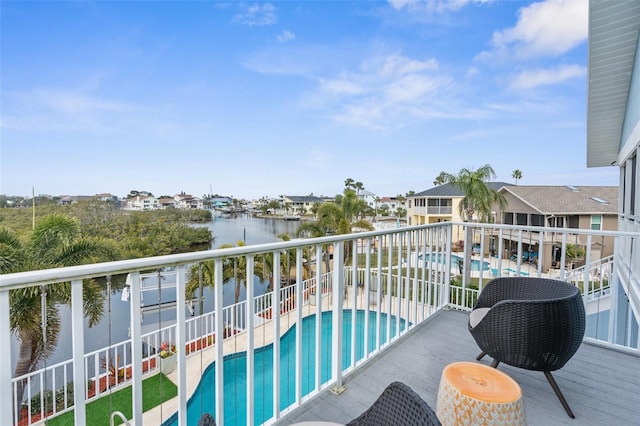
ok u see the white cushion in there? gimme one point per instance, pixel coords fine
(477, 315)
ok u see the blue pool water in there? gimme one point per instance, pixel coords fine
(441, 258)
(235, 367)
(513, 271)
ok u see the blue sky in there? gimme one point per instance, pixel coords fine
(270, 98)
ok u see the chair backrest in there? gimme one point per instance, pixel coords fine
(524, 288)
(532, 323)
(398, 405)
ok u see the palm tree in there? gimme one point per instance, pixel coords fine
(478, 196)
(574, 252)
(56, 241)
(335, 219)
(517, 174)
(349, 183)
(233, 269)
(359, 186)
(440, 179)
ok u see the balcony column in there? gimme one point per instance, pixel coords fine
(276, 307)
(218, 304)
(77, 339)
(136, 348)
(337, 318)
(6, 388)
(181, 343)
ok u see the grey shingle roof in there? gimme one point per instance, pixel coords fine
(304, 198)
(448, 190)
(564, 200)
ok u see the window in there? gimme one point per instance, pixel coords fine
(573, 222)
(508, 219)
(537, 220)
(596, 222)
(521, 219)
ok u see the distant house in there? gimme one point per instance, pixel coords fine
(142, 203)
(392, 203)
(575, 207)
(66, 200)
(368, 197)
(439, 204)
(106, 197)
(219, 202)
(187, 201)
(305, 202)
(166, 203)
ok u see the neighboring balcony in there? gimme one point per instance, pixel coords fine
(350, 312)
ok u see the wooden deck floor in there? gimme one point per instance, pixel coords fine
(602, 386)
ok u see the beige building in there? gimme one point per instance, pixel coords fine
(440, 204)
(577, 207)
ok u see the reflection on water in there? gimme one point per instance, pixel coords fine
(114, 326)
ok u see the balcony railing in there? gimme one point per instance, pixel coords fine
(363, 292)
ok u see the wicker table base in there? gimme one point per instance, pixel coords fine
(475, 394)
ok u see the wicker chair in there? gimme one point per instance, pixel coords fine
(398, 405)
(532, 323)
(206, 420)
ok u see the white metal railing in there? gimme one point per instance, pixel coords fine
(402, 277)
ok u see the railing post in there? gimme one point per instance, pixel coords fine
(6, 402)
(136, 349)
(249, 320)
(299, 304)
(77, 338)
(337, 317)
(466, 271)
(181, 331)
(219, 333)
(275, 318)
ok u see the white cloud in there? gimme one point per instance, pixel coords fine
(75, 103)
(256, 14)
(286, 36)
(340, 87)
(401, 65)
(432, 6)
(543, 77)
(386, 90)
(547, 28)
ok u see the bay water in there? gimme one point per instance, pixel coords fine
(114, 326)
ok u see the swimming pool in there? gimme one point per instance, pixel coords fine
(513, 271)
(235, 367)
(442, 258)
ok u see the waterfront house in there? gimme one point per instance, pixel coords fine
(440, 204)
(140, 202)
(571, 207)
(301, 203)
(187, 201)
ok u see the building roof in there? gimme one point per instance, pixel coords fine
(365, 193)
(613, 37)
(568, 199)
(304, 198)
(448, 190)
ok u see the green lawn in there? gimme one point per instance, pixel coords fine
(155, 390)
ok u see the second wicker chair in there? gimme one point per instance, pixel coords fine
(532, 323)
(398, 405)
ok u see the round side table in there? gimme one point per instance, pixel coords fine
(475, 394)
